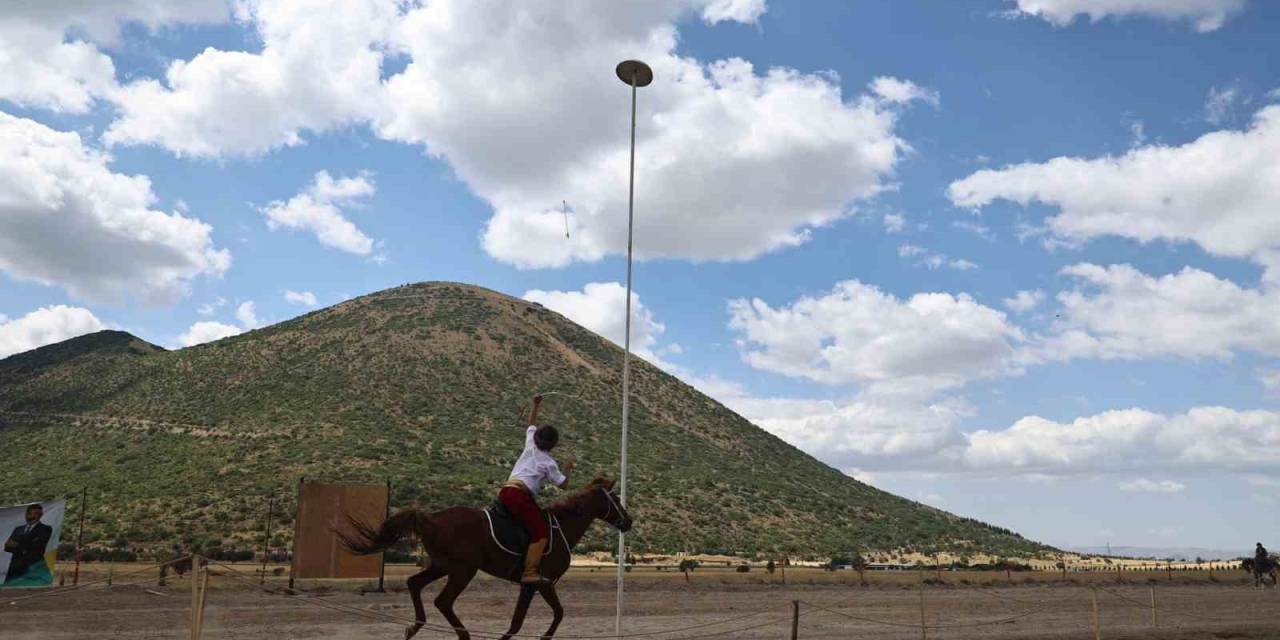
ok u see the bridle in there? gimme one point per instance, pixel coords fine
(613, 508)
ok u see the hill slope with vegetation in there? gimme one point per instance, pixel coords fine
(418, 385)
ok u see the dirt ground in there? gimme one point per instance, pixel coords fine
(962, 606)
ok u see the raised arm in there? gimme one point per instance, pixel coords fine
(569, 463)
(533, 413)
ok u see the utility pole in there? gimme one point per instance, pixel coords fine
(636, 74)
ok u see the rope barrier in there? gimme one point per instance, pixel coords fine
(392, 618)
(61, 590)
(1174, 610)
(1009, 598)
(396, 619)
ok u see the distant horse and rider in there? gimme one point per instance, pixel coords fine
(1262, 565)
(460, 541)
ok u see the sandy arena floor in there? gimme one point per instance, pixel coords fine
(754, 606)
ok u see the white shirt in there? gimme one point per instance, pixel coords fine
(535, 465)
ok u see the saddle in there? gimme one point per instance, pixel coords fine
(509, 534)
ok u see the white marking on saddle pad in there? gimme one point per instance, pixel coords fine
(552, 523)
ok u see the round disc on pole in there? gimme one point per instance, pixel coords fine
(628, 69)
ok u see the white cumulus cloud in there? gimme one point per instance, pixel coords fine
(933, 260)
(601, 307)
(899, 91)
(45, 325)
(1144, 485)
(1132, 440)
(1218, 191)
(319, 209)
(1119, 312)
(1024, 301)
(731, 162)
(1204, 15)
(208, 308)
(45, 66)
(867, 431)
(207, 331)
(67, 220)
(859, 334)
(305, 298)
(319, 68)
(247, 315)
(894, 222)
(1220, 106)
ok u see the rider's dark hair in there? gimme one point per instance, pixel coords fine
(546, 437)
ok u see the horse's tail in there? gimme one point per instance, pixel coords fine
(368, 539)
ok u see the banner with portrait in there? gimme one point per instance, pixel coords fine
(30, 533)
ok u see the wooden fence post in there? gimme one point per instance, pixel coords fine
(923, 633)
(1097, 622)
(795, 619)
(1155, 621)
(195, 595)
(204, 593)
(266, 537)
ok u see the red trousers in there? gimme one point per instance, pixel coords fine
(525, 509)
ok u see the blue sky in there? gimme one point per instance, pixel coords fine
(1015, 259)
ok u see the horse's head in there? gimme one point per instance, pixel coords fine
(1247, 564)
(606, 505)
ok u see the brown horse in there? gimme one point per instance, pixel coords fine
(458, 543)
(1261, 570)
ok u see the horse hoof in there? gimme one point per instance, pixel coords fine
(410, 631)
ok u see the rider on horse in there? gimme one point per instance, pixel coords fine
(1261, 557)
(519, 494)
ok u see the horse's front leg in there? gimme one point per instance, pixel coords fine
(549, 594)
(522, 609)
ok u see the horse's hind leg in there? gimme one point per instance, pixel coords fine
(417, 582)
(549, 594)
(459, 578)
(522, 609)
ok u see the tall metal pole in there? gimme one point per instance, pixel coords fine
(636, 74)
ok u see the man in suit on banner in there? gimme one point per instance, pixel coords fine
(27, 543)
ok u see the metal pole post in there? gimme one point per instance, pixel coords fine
(84, 494)
(636, 74)
(626, 359)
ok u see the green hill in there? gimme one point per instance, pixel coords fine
(418, 385)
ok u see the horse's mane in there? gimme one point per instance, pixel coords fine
(576, 501)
